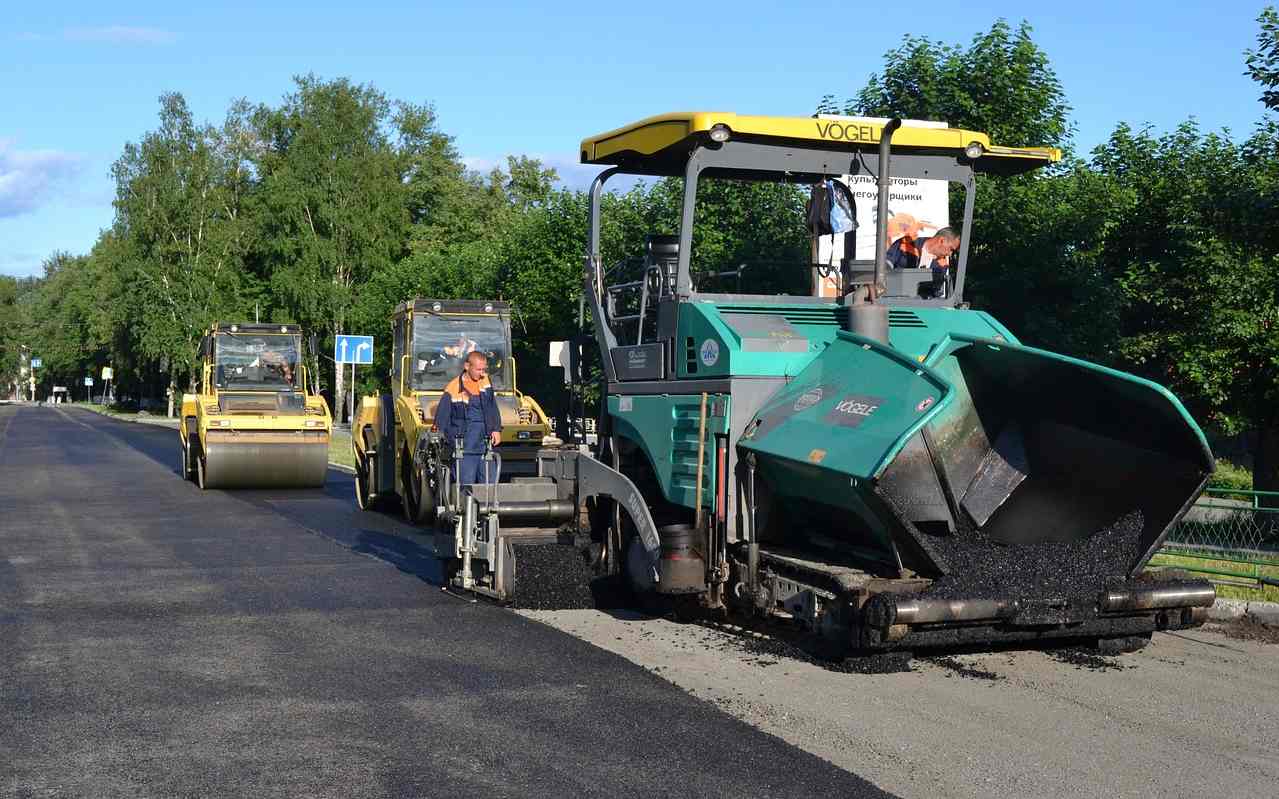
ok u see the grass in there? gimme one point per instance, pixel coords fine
(340, 448)
(102, 409)
(1229, 476)
(1259, 593)
(115, 413)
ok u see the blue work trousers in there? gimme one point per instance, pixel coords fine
(474, 444)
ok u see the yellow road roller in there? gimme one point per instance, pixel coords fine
(430, 341)
(253, 421)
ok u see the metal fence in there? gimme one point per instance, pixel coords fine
(1230, 536)
(1227, 520)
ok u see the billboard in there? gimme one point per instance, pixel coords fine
(915, 208)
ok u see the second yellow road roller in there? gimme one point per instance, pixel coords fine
(253, 420)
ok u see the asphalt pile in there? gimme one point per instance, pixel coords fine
(980, 567)
(552, 577)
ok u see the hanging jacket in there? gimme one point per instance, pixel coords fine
(830, 209)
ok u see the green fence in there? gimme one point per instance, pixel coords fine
(1232, 538)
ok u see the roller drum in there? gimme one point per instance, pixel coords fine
(250, 461)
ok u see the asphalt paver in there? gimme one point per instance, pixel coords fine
(161, 641)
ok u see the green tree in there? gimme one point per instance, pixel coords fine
(1001, 84)
(528, 183)
(1032, 257)
(1201, 296)
(1263, 62)
(179, 204)
(64, 322)
(344, 172)
(11, 336)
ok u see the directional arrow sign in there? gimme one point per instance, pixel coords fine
(353, 349)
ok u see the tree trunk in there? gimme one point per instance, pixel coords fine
(339, 384)
(173, 389)
(1265, 463)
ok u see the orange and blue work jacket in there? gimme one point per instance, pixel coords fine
(904, 254)
(456, 405)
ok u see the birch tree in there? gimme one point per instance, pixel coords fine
(179, 196)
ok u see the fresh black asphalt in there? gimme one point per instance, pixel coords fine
(160, 641)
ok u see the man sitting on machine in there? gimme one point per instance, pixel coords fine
(924, 252)
(468, 411)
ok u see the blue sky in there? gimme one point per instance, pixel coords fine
(79, 79)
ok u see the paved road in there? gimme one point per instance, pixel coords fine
(157, 641)
(1194, 714)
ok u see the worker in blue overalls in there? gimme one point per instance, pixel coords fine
(468, 410)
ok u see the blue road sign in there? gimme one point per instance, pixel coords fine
(353, 349)
(36, 363)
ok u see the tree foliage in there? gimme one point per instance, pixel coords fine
(179, 206)
(1155, 253)
(1263, 62)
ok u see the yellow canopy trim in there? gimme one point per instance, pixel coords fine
(655, 134)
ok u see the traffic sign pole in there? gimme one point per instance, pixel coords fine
(353, 350)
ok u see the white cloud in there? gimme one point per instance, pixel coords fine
(120, 34)
(29, 177)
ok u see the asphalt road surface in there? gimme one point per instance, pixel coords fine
(160, 641)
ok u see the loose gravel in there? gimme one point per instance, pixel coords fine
(954, 666)
(1086, 659)
(1250, 628)
(768, 650)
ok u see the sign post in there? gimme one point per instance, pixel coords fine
(353, 350)
(88, 392)
(36, 363)
(107, 374)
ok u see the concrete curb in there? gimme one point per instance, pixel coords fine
(1231, 609)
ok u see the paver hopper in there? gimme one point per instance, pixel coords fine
(254, 422)
(1027, 489)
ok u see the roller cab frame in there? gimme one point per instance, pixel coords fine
(254, 420)
(476, 530)
(852, 464)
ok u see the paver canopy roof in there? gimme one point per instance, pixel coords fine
(660, 145)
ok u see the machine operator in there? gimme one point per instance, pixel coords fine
(933, 251)
(468, 410)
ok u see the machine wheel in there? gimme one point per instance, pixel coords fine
(419, 494)
(200, 469)
(365, 497)
(362, 487)
(184, 462)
